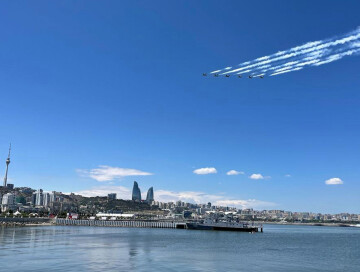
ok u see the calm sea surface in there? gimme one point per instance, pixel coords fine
(279, 248)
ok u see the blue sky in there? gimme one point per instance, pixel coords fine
(118, 83)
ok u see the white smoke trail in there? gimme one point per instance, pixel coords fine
(314, 53)
(216, 71)
(315, 57)
(338, 56)
(244, 72)
(317, 49)
(286, 71)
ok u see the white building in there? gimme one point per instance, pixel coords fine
(53, 197)
(8, 199)
(8, 202)
(39, 198)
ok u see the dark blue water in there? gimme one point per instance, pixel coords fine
(279, 248)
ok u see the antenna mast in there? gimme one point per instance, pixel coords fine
(7, 166)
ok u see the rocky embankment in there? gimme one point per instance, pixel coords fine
(21, 222)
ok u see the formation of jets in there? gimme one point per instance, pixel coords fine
(239, 76)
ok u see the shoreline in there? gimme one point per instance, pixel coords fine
(51, 222)
(22, 224)
(346, 225)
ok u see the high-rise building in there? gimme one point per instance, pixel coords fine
(136, 194)
(39, 198)
(54, 197)
(8, 202)
(33, 198)
(8, 199)
(150, 195)
(112, 196)
(46, 199)
(7, 167)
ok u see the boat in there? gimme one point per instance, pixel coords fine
(355, 226)
(215, 224)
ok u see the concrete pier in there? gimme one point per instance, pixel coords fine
(143, 224)
(120, 223)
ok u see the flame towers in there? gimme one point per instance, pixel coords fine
(136, 194)
(150, 195)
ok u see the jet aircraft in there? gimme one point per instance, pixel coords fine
(239, 76)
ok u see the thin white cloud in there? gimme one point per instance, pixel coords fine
(121, 192)
(288, 176)
(186, 196)
(249, 203)
(217, 200)
(205, 171)
(256, 176)
(108, 173)
(334, 181)
(234, 172)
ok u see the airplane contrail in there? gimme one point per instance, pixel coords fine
(313, 53)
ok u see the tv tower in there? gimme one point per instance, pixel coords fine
(7, 167)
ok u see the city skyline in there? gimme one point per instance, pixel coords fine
(170, 196)
(110, 96)
(53, 201)
(27, 201)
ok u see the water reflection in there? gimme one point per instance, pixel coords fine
(56, 248)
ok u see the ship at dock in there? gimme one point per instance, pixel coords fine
(224, 225)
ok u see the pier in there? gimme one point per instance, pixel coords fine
(144, 224)
(121, 223)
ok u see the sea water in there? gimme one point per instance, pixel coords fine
(279, 248)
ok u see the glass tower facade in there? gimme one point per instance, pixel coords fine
(150, 195)
(136, 194)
